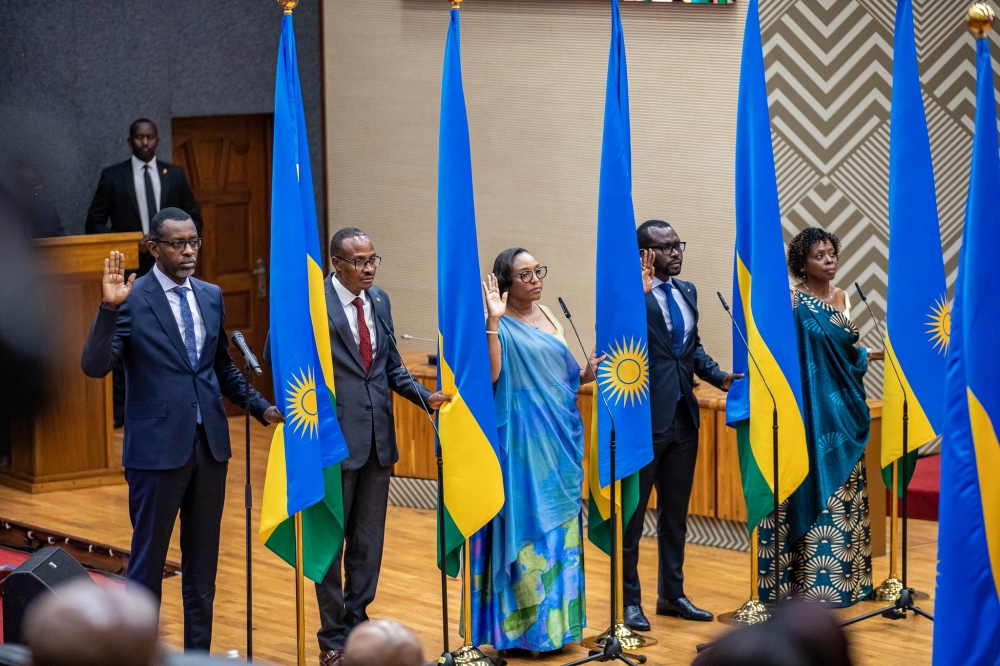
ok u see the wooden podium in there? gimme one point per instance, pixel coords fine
(70, 442)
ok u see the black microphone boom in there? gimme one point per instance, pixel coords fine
(244, 348)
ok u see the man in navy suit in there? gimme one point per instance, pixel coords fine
(167, 331)
(675, 356)
(130, 193)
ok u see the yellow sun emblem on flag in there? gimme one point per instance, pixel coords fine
(939, 324)
(301, 408)
(625, 372)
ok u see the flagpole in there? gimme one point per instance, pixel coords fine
(300, 595)
(753, 611)
(891, 587)
(469, 654)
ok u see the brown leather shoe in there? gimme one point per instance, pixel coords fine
(331, 658)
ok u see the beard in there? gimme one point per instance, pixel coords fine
(185, 272)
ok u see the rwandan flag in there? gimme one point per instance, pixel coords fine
(762, 305)
(918, 321)
(470, 450)
(967, 606)
(303, 466)
(621, 313)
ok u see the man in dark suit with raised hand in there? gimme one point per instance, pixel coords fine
(367, 368)
(130, 193)
(675, 356)
(167, 331)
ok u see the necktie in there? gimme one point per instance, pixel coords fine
(150, 196)
(676, 319)
(187, 319)
(364, 336)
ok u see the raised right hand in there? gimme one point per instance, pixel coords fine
(114, 288)
(646, 258)
(496, 305)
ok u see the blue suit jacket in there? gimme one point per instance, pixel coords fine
(162, 391)
(671, 375)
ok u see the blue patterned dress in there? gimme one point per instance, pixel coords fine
(527, 563)
(826, 535)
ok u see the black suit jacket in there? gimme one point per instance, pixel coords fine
(116, 200)
(162, 391)
(671, 375)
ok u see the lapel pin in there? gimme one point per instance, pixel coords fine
(378, 300)
(164, 172)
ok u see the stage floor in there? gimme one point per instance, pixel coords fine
(409, 589)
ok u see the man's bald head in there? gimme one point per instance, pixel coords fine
(382, 643)
(83, 624)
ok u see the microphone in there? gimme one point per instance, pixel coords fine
(600, 388)
(725, 305)
(407, 336)
(241, 344)
(413, 382)
(882, 337)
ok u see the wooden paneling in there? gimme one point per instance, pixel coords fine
(730, 504)
(414, 436)
(69, 442)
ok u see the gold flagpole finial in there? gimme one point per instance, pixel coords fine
(288, 5)
(456, 4)
(980, 19)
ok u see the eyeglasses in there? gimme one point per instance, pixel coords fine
(359, 264)
(179, 245)
(668, 248)
(539, 273)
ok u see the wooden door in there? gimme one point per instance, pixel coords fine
(228, 164)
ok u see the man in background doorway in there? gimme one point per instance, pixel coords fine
(130, 194)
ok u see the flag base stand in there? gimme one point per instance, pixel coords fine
(628, 639)
(470, 655)
(752, 612)
(889, 590)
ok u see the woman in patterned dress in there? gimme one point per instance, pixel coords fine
(527, 563)
(826, 531)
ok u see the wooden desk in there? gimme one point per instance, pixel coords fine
(70, 444)
(718, 487)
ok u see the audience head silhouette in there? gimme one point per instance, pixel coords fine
(83, 624)
(800, 634)
(382, 643)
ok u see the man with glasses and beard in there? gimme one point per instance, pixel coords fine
(367, 368)
(675, 356)
(167, 331)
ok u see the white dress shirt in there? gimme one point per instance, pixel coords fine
(138, 178)
(661, 297)
(346, 298)
(175, 306)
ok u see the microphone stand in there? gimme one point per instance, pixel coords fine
(447, 656)
(611, 640)
(892, 589)
(748, 607)
(251, 367)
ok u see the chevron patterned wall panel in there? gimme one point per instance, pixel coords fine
(829, 73)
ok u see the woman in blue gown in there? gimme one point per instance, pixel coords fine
(527, 563)
(826, 535)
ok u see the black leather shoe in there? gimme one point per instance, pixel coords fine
(634, 619)
(682, 608)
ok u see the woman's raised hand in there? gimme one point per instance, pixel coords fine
(646, 259)
(496, 304)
